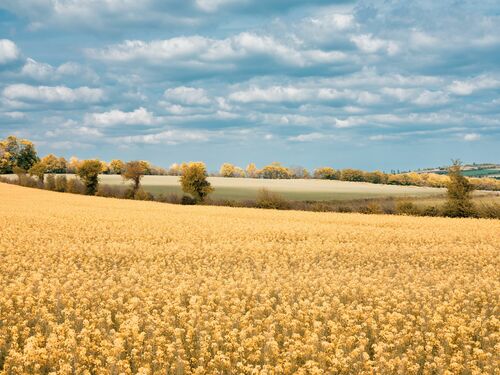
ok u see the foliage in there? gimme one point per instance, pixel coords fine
(116, 166)
(55, 164)
(299, 172)
(194, 181)
(268, 199)
(251, 171)
(50, 182)
(326, 173)
(275, 170)
(15, 152)
(144, 288)
(88, 171)
(75, 186)
(352, 175)
(134, 171)
(38, 170)
(459, 203)
(61, 183)
(230, 170)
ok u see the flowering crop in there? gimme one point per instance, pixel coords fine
(91, 285)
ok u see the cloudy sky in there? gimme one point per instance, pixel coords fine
(369, 84)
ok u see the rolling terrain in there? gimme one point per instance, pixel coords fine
(96, 285)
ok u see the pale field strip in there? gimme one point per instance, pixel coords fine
(297, 185)
(92, 285)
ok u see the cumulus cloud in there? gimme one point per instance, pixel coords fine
(369, 44)
(43, 72)
(8, 51)
(52, 94)
(172, 137)
(187, 96)
(468, 87)
(140, 116)
(202, 52)
(472, 137)
(309, 137)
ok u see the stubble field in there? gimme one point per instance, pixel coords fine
(92, 285)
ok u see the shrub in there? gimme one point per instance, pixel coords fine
(187, 200)
(371, 208)
(406, 208)
(168, 198)
(61, 183)
(75, 186)
(268, 199)
(88, 171)
(111, 191)
(142, 195)
(489, 211)
(431, 211)
(459, 191)
(50, 182)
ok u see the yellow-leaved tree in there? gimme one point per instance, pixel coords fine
(194, 180)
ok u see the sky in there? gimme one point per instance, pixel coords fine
(380, 84)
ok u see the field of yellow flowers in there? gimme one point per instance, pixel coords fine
(92, 285)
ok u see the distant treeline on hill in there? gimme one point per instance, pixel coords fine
(20, 156)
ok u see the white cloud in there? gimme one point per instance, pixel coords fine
(430, 98)
(36, 70)
(52, 94)
(198, 51)
(213, 5)
(274, 94)
(336, 21)
(468, 87)
(421, 39)
(46, 72)
(15, 115)
(8, 51)
(173, 136)
(187, 96)
(472, 137)
(310, 137)
(368, 44)
(297, 94)
(140, 116)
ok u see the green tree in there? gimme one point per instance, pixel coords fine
(15, 152)
(134, 171)
(38, 170)
(88, 171)
(194, 180)
(459, 203)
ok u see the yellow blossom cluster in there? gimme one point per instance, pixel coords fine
(91, 285)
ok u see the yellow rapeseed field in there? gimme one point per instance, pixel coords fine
(103, 286)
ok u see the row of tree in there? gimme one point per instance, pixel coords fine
(20, 154)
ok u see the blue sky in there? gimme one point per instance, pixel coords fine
(366, 84)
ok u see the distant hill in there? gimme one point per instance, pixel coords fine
(490, 170)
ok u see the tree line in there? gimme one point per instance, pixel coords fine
(18, 155)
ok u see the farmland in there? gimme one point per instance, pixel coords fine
(296, 189)
(95, 285)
